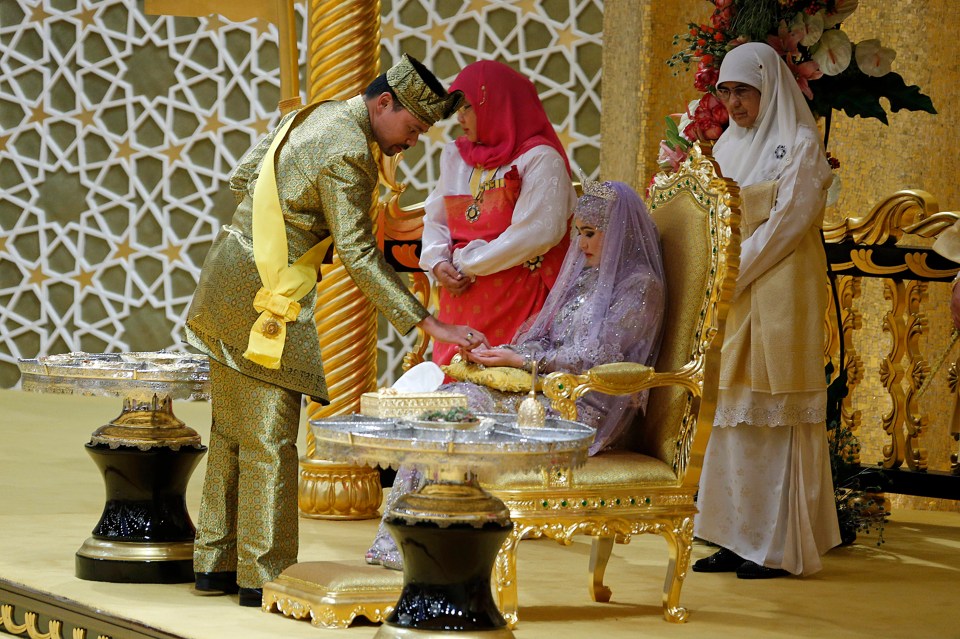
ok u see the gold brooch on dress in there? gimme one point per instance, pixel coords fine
(534, 263)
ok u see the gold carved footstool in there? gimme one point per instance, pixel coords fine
(334, 593)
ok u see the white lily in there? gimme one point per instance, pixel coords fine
(844, 9)
(811, 26)
(873, 59)
(833, 52)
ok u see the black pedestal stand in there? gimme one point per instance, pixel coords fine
(449, 535)
(145, 534)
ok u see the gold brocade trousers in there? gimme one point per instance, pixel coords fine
(248, 513)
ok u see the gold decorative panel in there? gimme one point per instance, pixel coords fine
(914, 152)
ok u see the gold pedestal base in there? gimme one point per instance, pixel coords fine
(330, 490)
(136, 551)
(332, 593)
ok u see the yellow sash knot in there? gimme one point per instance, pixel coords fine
(279, 306)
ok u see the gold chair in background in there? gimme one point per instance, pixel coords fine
(649, 487)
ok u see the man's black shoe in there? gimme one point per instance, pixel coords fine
(216, 581)
(252, 597)
(721, 561)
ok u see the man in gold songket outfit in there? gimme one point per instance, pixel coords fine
(305, 185)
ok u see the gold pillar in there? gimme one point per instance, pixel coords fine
(343, 56)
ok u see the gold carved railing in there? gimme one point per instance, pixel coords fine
(885, 244)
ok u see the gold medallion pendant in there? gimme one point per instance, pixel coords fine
(473, 212)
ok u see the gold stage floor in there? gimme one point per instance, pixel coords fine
(52, 496)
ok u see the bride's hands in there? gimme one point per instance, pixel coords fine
(493, 356)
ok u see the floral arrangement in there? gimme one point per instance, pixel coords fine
(831, 71)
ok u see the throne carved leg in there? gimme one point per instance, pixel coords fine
(678, 532)
(600, 552)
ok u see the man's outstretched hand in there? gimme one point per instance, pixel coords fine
(462, 336)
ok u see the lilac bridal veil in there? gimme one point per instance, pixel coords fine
(609, 313)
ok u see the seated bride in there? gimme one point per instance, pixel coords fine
(606, 306)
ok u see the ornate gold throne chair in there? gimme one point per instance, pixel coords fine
(649, 486)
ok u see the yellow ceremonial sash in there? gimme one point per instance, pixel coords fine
(283, 285)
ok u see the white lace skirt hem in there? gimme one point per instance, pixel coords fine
(767, 495)
(741, 405)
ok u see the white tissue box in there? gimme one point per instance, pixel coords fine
(390, 403)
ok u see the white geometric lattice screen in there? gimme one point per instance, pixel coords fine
(118, 132)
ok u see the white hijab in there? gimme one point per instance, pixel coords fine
(759, 153)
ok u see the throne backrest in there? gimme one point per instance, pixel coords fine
(697, 215)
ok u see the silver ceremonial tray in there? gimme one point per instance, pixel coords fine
(139, 375)
(494, 446)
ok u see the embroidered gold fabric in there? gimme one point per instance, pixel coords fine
(418, 98)
(387, 402)
(248, 522)
(776, 360)
(333, 594)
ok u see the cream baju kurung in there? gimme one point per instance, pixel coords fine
(766, 489)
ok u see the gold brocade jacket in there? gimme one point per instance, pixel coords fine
(326, 178)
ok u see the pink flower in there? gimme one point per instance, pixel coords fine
(787, 38)
(804, 72)
(721, 18)
(709, 119)
(670, 158)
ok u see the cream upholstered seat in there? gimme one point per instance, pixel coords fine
(648, 487)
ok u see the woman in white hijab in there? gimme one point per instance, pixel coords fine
(766, 491)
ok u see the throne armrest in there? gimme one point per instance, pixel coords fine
(617, 378)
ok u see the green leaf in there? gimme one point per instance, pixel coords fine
(673, 137)
(902, 96)
(858, 94)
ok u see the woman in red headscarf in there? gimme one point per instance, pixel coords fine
(496, 225)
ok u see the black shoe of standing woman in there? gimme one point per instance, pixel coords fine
(751, 570)
(225, 581)
(721, 561)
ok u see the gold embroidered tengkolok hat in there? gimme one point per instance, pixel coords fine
(417, 97)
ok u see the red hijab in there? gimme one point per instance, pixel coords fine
(510, 116)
